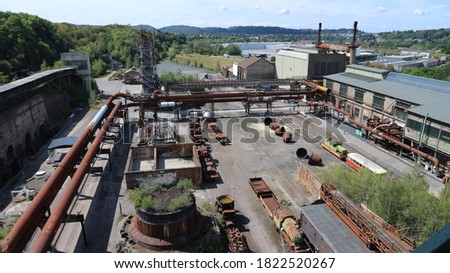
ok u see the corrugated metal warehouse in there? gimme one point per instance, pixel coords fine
(415, 104)
(308, 62)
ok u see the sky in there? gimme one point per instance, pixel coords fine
(372, 16)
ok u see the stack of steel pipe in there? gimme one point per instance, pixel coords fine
(280, 131)
(274, 126)
(315, 160)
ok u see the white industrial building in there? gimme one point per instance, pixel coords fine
(312, 63)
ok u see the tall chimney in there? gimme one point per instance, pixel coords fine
(319, 39)
(352, 47)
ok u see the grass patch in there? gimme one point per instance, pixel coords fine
(121, 217)
(3, 233)
(211, 63)
(403, 202)
(164, 198)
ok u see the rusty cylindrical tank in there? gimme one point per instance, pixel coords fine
(301, 153)
(285, 221)
(280, 131)
(315, 160)
(274, 126)
(166, 229)
(166, 225)
(287, 137)
(224, 202)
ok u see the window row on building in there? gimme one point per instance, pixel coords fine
(417, 105)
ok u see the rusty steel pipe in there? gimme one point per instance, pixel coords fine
(287, 137)
(154, 101)
(335, 47)
(44, 240)
(393, 140)
(238, 94)
(27, 223)
(25, 226)
(150, 103)
(316, 86)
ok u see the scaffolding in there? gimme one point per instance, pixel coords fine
(148, 62)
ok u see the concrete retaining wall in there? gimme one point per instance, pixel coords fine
(148, 178)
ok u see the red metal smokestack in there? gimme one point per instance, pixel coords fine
(355, 31)
(352, 47)
(319, 36)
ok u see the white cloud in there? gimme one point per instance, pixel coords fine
(447, 14)
(223, 7)
(378, 10)
(256, 7)
(421, 12)
(283, 11)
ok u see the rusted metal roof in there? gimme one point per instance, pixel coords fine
(248, 62)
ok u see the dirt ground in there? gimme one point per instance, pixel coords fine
(266, 156)
(255, 151)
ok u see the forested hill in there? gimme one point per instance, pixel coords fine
(247, 30)
(29, 43)
(419, 39)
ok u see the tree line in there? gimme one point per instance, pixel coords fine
(435, 39)
(30, 43)
(403, 202)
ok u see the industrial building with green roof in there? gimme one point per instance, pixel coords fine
(416, 104)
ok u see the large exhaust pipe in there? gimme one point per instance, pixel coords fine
(319, 35)
(23, 229)
(25, 226)
(44, 240)
(355, 31)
